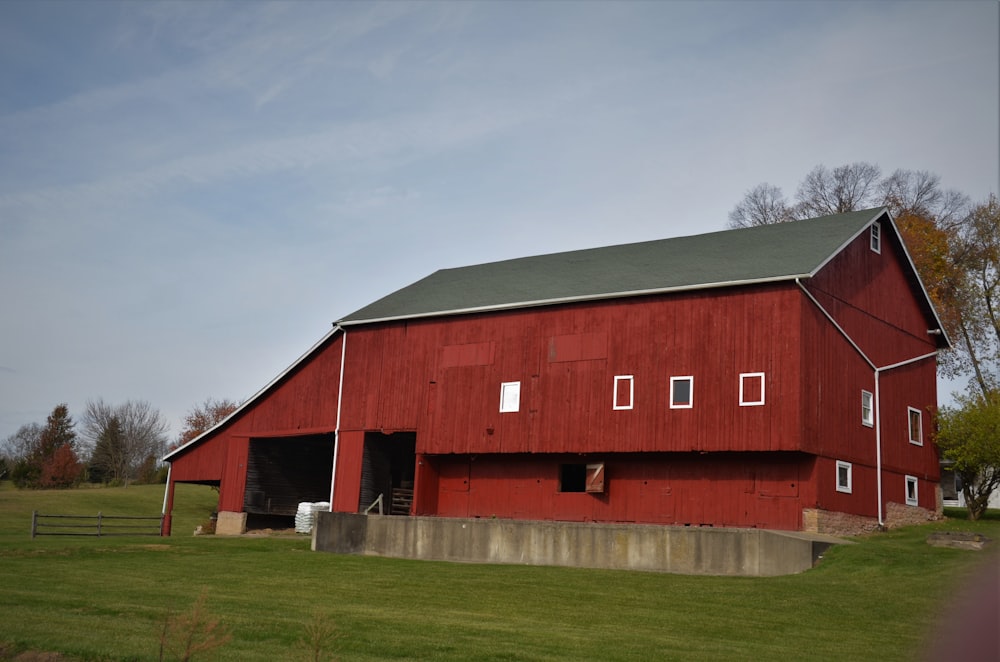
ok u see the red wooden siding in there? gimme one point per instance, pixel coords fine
(347, 482)
(411, 376)
(727, 489)
(870, 296)
(234, 478)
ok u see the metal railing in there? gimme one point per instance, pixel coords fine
(99, 525)
(376, 502)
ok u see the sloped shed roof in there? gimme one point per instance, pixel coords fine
(754, 255)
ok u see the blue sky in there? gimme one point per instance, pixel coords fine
(192, 192)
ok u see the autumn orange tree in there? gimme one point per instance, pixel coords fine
(204, 417)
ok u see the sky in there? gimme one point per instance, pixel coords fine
(191, 193)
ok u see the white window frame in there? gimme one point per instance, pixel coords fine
(752, 403)
(876, 238)
(617, 406)
(690, 403)
(915, 499)
(919, 441)
(510, 397)
(867, 409)
(849, 486)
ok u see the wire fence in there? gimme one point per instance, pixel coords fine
(99, 525)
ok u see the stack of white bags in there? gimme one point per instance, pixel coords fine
(305, 516)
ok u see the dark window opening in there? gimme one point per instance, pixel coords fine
(582, 478)
(573, 478)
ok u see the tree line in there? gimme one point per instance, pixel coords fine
(114, 444)
(955, 247)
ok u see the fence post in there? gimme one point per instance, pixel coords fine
(99, 517)
(34, 522)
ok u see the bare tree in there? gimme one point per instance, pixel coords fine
(764, 204)
(845, 188)
(22, 443)
(123, 436)
(919, 193)
(979, 261)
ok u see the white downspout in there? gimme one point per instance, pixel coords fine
(166, 497)
(336, 430)
(878, 371)
(878, 449)
(166, 490)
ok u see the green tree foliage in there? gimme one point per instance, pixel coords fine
(969, 436)
(107, 458)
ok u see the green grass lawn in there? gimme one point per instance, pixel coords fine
(108, 598)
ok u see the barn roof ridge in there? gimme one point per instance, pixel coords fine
(724, 258)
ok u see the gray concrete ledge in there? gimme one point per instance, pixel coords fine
(681, 550)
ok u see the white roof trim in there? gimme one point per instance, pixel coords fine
(578, 299)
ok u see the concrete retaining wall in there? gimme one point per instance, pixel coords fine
(682, 550)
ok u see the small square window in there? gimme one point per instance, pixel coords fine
(911, 491)
(681, 392)
(867, 412)
(844, 477)
(510, 397)
(751, 389)
(624, 391)
(876, 238)
(916, 426)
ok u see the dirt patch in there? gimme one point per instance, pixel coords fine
(958, 540)
(272, 532)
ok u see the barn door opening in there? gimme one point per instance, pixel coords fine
(283, 472)
(387, 469)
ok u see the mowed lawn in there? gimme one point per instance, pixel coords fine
(108, 598)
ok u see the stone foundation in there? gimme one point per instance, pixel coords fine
(829, 522)
(231, 524)
(898, 514)
(815, 520)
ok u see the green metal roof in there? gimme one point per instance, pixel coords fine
(761, 254)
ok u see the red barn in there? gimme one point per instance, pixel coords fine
(777, 377)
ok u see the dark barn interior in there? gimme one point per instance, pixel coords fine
(387, 469)
(284, 471)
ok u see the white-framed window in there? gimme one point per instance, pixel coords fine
(876, 238)
(682, 392)
(624, 391)
(911, 491)
(510, 397)
(751, 389)
(867, 410)
(844, 477)
(914, 422)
